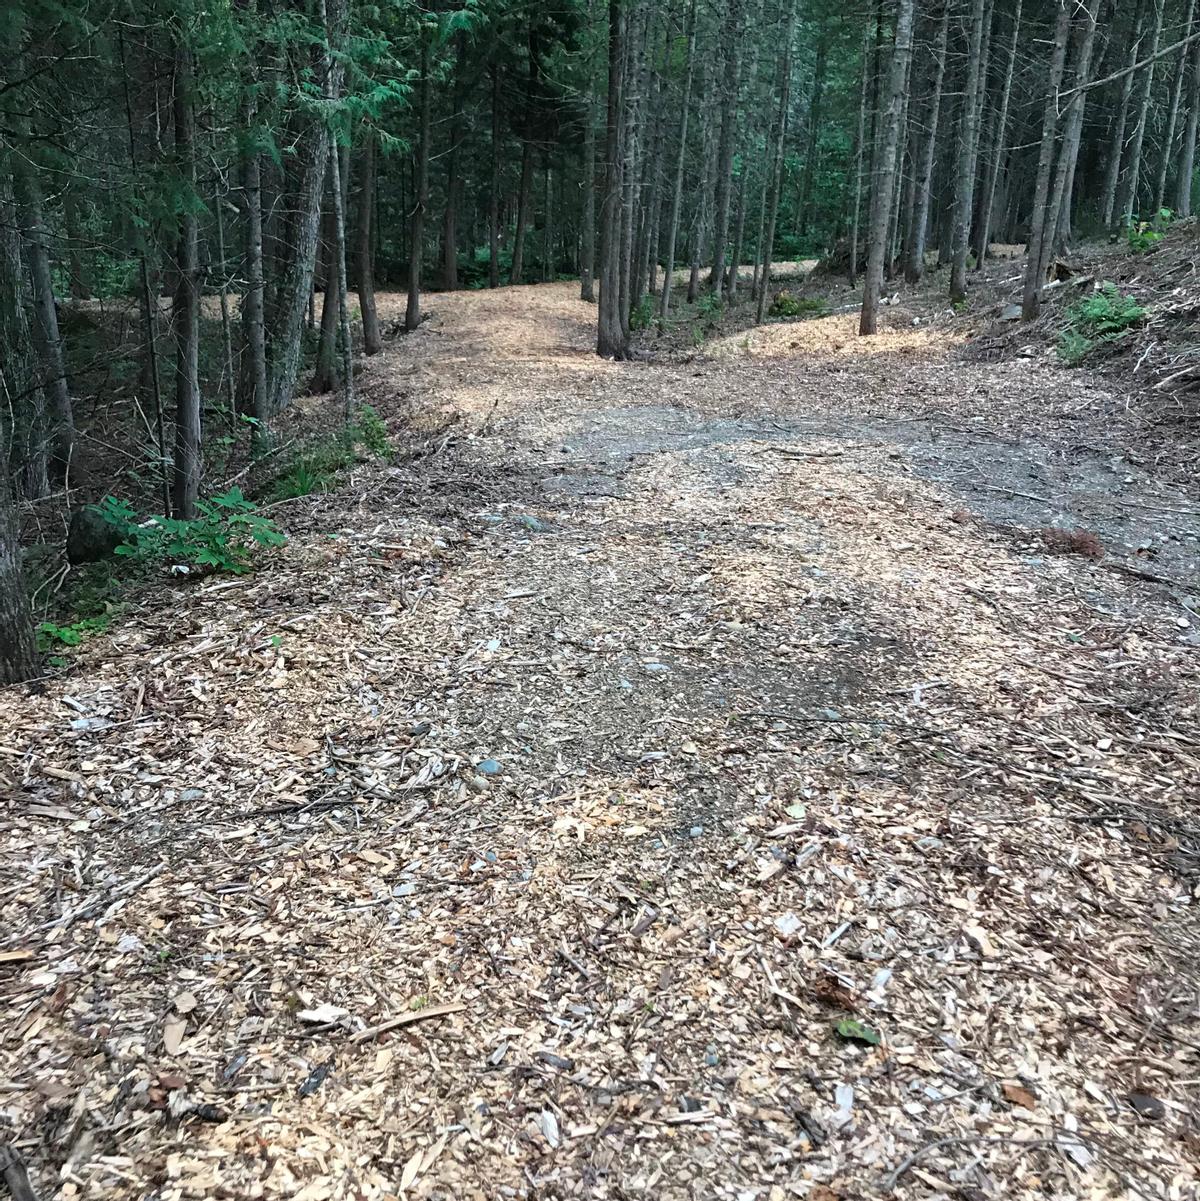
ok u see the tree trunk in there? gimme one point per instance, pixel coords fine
(611, 342)
(1167, 150)
(412, 311)
(587, 251)
(1116, 150)
(814, 134)
(18, 651)
(494, 189)
(1058, 219)
(76, 267)
(339, 170)
(185, 488)
(228, 371)
(1187, 158)
(968, 144)
(53, 372)
(780, 134)
(253, 327)
(726, 139)
(1129, 189)
(365, 256)
(999, 144)
(885, 168)
(23, 432)
(524, 189)
(664, 306)
(453, 182)
(914, 267)
(1039, 235)
(860, 136)
(325, 374)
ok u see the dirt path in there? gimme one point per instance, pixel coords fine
(702, 767)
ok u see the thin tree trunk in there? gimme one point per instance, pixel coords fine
(325, 375)
(76, 267)
(999, 145)
(780, 134)
(524, 189)
(664, 307)
(223, 295)
(1038, 232)
(47, 338)
(494, 189)
(700, 215)
(1187, 158)
(453, 182)
(611, 340)
(727, 138)
(860, 136)
(1059, 212)
(18, 651)
(968, 146)
(372, 341)
(1167, 150)
(885, 167)
(587, 251)
(339, 170)
(1116, 150)
(412, 311)
(185, 490)
(914, 267)
(253, 327)
(814, 134)
(1129, 188)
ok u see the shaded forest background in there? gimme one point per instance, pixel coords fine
(197, 203)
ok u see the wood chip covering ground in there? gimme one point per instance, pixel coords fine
(692, 778)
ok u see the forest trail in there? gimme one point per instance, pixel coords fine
(643, 749)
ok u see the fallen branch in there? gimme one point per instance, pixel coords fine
(406, 1019)
(14, 1175)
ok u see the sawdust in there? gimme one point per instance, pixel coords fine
(668, 779)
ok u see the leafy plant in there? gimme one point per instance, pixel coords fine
(1144, 236)
(221, 536)
(642, 313)
(1104, 316)
(50, 635)
(787, 305)
(317, 466)
(372, 432)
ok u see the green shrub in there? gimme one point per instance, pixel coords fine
(316, 468)
(1144, 236)
(50, 635)
(709, 308)
(1104, 316)
(220, 537)
(642, 313)
(787, 305)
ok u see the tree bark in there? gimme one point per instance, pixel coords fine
(1116, 151)
(1056, 231)
(453, 182)
(1038, 232)
(18, 651)
(412, 311)
(494, 186)
(1167, 150)
(587, 251)
(1187, 159)
(611, 341)
(524, 189)
(1129, 187)
(47, 338)
(664, 306)
(860, 137)
(999, 145)
(814, 134)
(339, 170)
(780, 134)
(325, 373)
(185, 487)
(253, 327)
(914, 267)
(885, 168)
(968, 145)
(726, 138)
(365, 256)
